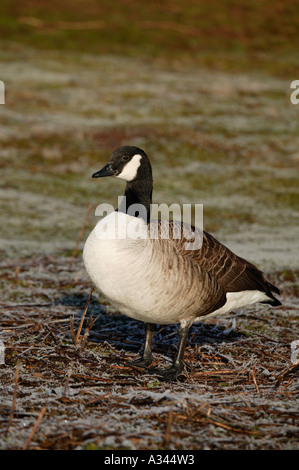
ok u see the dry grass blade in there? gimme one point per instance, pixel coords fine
(36, 424)
(293, 369)
(232, 427)
(255, 381)
(90, 323)
(72, 329)
(14, 398)
(168, 429)
(83, 316)
(67, 382)
(227, 399)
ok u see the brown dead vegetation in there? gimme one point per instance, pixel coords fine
(239, 390)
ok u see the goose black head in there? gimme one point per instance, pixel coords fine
(127, 163)
(132, 165)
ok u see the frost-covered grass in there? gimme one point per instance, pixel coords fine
(227, 140)
(206, 93)
(239, 389)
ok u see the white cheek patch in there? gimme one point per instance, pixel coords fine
(129, 171)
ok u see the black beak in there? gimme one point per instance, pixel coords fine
(106, 171)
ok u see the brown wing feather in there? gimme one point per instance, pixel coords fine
(187, 277)
(232, 272)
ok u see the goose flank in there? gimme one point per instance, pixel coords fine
(157, 279)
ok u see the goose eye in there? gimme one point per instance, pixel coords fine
(125, 157)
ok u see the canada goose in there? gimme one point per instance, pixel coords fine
(157, 280)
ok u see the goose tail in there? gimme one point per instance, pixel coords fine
(272, 300)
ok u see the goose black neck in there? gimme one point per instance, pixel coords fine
(138, 198)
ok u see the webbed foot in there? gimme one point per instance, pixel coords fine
(143, 362)
(168, 374)
(147, 357)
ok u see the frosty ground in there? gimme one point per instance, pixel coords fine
(227, 139)
(239, 389)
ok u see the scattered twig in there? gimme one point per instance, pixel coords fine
(168, 428)
(290, 370)
(36, 424)
(98, 399)
(254, 380)
(72, 328)
(67, 382)
(83, 342)
(90, 323)
(255, 333)
(14, 398)
(220, 393)
(82, 319)
(112, 348)
(51, 334)
(215, 372)
(286, 385)
(232, 427)
(17, 271)
(81, 233)
(48, 304)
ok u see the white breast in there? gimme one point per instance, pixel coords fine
(115, 255)
(121, 262)
(147, 280)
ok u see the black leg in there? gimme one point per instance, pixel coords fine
(147, 357)
(172, 372)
